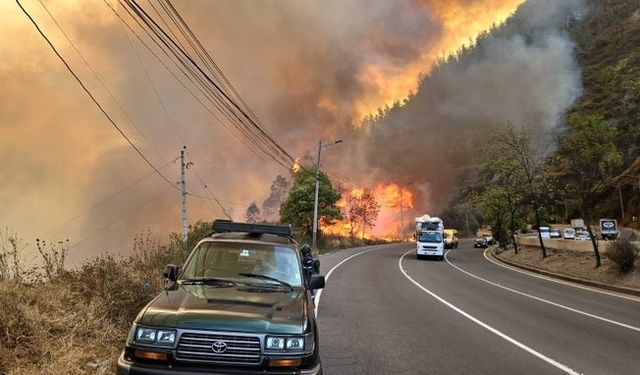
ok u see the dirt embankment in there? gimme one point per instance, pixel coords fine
(575, 264)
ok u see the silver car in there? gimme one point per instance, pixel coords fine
(569, 234)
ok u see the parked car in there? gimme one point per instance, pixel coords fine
(569, 234)
(544, 232)
(239, 305)
(481, 242)
(554, 233)
(582, 236)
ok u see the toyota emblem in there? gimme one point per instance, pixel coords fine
(219, 346)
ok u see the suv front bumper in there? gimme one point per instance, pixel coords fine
(126, 367)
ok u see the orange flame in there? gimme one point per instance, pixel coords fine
(296, 167)
(462, 21)
(394, 200)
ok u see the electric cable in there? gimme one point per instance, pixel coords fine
(95, 101)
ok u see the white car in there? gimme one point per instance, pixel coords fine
(544, 233)
(583, 236)
(569, 234)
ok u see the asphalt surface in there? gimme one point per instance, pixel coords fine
(384, 312)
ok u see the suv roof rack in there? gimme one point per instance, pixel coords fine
(225, 226)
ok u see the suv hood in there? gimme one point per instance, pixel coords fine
(240, 308)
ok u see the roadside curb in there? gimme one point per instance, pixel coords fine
(578, 280)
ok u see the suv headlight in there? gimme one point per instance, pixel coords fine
(153, 336)
(285, 344)
(303, 344)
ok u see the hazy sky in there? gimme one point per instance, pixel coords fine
(309, 69)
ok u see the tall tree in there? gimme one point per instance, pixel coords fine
(505, 180)
(253, 213)
(492, 200)
(516, 147)
(362, 211)
(297, 209)
(588, 158)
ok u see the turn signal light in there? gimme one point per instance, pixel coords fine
(151, 355)
(289, 362)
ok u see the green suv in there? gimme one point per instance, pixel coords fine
(240, 305)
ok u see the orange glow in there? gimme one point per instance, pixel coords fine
(296, 167)
(394, 200)
(462, 22)
(394, 196)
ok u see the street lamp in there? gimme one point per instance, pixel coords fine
(315, 203)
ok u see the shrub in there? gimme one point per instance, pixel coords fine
(623, 253)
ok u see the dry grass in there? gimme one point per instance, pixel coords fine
(62, 326)
(58, 321)
(575, 264)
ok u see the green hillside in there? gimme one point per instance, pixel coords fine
(609, 56)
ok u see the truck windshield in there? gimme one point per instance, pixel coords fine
(430, 237)
(228, 260)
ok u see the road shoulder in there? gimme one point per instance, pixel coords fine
(490, 253)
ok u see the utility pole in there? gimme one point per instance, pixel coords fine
(183, 194)
(315, 203)
(401, 217)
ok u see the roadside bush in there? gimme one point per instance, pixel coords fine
(623, 253)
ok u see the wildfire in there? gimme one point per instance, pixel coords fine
(462, 21)
(394, 200)
(296, 167)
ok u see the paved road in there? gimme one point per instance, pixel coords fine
(384, 312)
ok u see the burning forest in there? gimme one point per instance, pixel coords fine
(412, 88)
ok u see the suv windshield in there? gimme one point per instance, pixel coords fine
(222, 260)
(430, 237)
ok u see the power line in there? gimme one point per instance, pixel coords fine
(155, 91)
(102, 201)
(95, 101)
(104, 86)
(231, 109)
(126, 24)
(102, 229)
(161, 102)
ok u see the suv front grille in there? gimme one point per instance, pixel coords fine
(199, 347)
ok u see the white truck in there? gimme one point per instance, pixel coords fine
(429, 237)
(578, 225)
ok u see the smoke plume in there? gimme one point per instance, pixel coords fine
(309, 70)
(523, 73)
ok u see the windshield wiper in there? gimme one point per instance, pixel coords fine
(205, 280)
(265, 277)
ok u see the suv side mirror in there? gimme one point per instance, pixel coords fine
(316, 282)
(171, 272)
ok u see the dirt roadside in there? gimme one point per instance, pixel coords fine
(574, 264)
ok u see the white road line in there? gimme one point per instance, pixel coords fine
(563, 282)
(628, 326)
(326, 278)
(515, 342)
